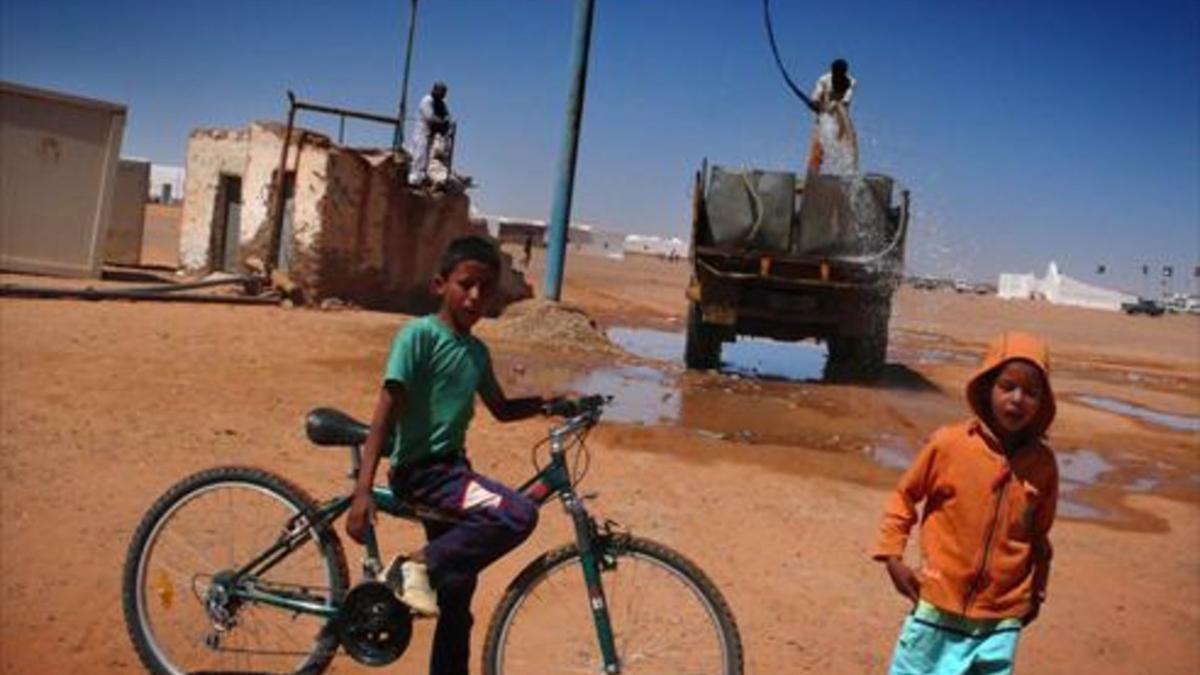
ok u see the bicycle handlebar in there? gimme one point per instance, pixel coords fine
(572, 407)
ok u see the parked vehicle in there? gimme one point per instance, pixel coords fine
(1180, 303)
(1143, 306)
(771, 260)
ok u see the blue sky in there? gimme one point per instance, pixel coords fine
(1026, 130)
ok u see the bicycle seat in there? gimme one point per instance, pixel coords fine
(326, 426)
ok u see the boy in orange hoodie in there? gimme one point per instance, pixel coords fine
(989, 487)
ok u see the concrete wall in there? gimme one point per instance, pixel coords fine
(266, 140)
(253, 155)
(58, 172)
(210, 152)
(376, 245)
(124, 242)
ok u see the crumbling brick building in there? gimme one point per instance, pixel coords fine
(351, 230)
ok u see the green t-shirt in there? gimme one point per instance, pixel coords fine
(441, 371)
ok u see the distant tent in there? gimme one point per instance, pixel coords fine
(655, 246)
(1017, 286)
(1060, 289)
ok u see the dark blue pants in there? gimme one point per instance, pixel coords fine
(494, 519)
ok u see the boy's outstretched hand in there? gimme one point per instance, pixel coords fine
(905, 580)
(362, 511)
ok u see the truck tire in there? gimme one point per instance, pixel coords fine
(862, 357)
(702, 348)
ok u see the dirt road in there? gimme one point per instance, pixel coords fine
(771, 481)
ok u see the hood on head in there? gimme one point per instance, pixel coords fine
(1011, 346)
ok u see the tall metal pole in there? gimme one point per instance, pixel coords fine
(560, 216)
(398, 139)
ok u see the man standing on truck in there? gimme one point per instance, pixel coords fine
(834, 145)
(431, 128)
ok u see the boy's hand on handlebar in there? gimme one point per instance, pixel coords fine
(555, 404)
(564, 406)
(362, 513)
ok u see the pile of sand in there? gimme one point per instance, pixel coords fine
(551, 324)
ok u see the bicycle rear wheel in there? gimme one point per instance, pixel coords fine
(180, 592)
(666, 615)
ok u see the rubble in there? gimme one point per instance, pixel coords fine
(552, 324)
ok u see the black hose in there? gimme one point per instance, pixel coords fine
(779, 62)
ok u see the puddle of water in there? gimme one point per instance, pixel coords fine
(641, 395)
(1144, 484)
(939, 356)
(1069, 508)
(1175, 422)
(648, 343)
(748, 356)
(770, 359)
(1078, 469)
(1082, 467)
(891, 452)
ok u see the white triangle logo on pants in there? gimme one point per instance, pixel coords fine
(477, 495)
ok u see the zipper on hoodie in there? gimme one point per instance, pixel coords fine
(987, 542)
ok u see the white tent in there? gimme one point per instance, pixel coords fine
(657, 246)
(1017, 286)
(1060, 289)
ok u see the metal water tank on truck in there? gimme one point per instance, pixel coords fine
(777, 260)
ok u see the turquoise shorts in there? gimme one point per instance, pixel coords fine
(933, 642)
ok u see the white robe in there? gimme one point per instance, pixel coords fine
(420, 145)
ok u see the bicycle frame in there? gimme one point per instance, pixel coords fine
(553, 479)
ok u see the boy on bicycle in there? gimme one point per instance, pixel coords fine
(432, 375)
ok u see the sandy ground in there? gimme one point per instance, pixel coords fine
(773, 486)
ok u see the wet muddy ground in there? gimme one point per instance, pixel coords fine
(774, 393)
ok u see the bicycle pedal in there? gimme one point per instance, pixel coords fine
(371, 567)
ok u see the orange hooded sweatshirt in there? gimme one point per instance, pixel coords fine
(984, 511)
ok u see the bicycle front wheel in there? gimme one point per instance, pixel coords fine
(666, 616)
(191, 570)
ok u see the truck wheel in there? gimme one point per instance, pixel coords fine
(862, 357)
(839, 364)
(873, 353)
(702, 349)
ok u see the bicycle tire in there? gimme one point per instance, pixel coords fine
(144, 547)
(623, 549)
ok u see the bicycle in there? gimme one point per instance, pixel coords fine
(280, 599)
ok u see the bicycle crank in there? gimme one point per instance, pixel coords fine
(372, 625)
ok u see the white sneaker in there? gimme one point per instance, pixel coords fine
(410, 581)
